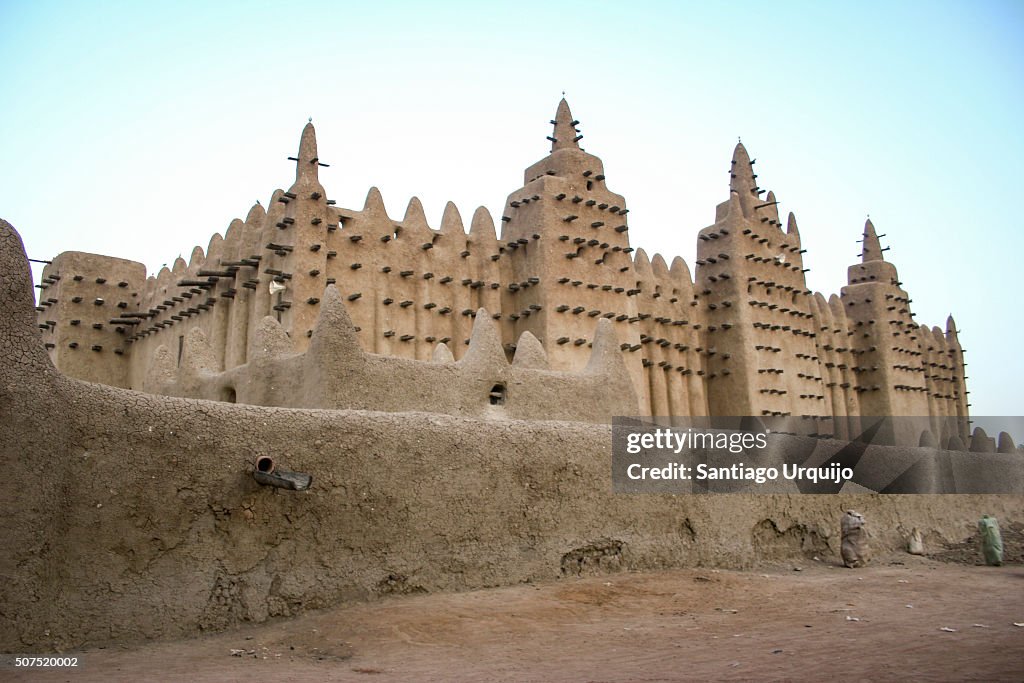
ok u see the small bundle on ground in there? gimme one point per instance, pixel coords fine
(854, 548)
(991, 541)
(915, 544)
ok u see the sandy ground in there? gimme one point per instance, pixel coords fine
(884, 622)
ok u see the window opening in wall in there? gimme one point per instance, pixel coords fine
(181, 348)
(228, 395)
(590, 184)
(498, 394)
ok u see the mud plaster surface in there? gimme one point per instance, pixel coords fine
(132, 516)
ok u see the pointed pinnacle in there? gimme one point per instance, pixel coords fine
(306, 164)
(742, 172)
(872, 250)
(565, 135)
(791, 226)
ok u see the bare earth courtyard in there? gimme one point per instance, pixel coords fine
(808, 620)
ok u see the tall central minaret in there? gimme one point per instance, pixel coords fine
(758, 333)
(565, 230)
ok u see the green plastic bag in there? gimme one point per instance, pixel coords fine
(991, 541)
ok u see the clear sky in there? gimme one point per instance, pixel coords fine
(140, 129)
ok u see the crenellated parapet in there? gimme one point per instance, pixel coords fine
(739, 334)
(671, 346)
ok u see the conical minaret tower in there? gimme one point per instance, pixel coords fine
(885, 340)
(566, 231)
(293, 272)
(758, 334)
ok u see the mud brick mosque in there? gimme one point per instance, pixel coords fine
(450, 394)
(307, 304)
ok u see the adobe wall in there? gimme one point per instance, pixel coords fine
(131, 515)
(742, 336)
(334, 371)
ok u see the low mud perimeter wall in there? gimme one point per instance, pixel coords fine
(131, 516)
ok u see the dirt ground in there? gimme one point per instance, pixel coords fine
(811, 620)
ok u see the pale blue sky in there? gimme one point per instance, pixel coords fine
(140, 129)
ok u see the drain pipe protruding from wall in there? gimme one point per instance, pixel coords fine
(266, 473)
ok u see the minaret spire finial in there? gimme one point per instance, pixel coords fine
(741, 174)
(306, 165)
(872, 250)
(565, 135)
